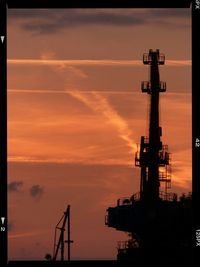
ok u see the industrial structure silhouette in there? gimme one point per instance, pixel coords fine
(153, 217)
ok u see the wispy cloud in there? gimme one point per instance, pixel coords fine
(46, 91)
(25, 234)
(178, 63)
(90, 62)
(74, 62)
(60, 65)
(100, 104)
(46, 21)
(82, 161)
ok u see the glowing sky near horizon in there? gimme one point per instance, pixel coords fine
(76, 114)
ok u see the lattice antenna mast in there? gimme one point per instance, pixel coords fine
(153, 154)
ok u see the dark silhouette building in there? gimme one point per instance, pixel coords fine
(159, 224)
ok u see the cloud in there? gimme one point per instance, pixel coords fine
(36, 191)
(62, 66)
(49, 21)
(100, 104)
(25, 234)
(14, 186)
(169, 12)
(87, 62)
(45, 21)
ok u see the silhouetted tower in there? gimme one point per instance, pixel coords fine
(154, 218)
(153, 154)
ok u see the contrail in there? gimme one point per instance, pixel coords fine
(26, 234)
(90, 62)
(100, 104)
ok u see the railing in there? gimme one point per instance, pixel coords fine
(128, 200)
(146, 87)
(146, 140)
(164, 156)
(161, 59)
(123, 245)
(136, 197)
(168, 196)
(146, 58)
(163, 176)
(123, 201)
(163, 86)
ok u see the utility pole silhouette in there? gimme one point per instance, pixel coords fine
(61, 241)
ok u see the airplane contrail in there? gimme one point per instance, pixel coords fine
(99, 103)
(90, 62)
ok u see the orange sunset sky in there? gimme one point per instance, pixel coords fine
(76, 114)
